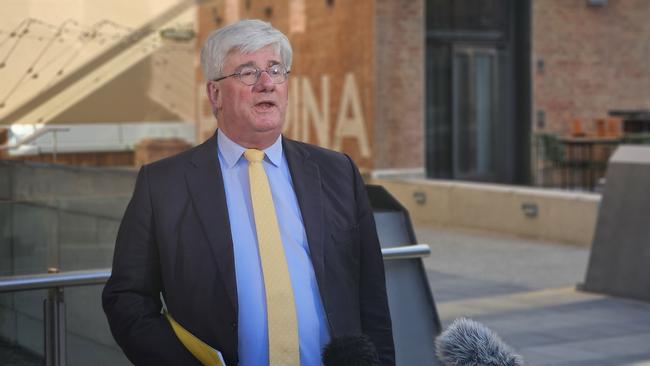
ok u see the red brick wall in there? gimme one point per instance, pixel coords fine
(595, 59)
(399, 76)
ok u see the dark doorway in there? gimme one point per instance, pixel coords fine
(478, 90)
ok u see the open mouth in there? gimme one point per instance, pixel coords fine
(265, 105)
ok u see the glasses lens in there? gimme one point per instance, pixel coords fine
(248, 75)
(277, 73)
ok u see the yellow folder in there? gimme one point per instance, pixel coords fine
(207, 355)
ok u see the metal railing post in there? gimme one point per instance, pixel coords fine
(54, 145)
(54, 324)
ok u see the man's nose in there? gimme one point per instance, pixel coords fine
(264, 83)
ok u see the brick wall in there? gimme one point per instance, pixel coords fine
(594, 59)
(400, 80)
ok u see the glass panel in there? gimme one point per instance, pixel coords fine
(87, 230)
(477, 140)
(438, 14)
(439, 126)
(66, 218)
(69, 234)
(89, 340)
(465, 124)
(484, 112)
(467, 15)
(27, 237)
(21, 328)
(479, 14)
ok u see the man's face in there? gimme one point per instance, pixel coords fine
(250, 115)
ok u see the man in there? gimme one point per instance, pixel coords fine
(195, 232)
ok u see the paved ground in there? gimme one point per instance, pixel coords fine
(525, 291)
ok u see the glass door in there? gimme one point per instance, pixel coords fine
(476, 111)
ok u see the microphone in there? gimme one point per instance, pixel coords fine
(355, 350)
(469, 343)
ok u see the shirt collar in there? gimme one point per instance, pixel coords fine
(232, 151)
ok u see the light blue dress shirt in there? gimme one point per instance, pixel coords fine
(312, 324)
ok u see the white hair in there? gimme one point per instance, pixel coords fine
(246, 36)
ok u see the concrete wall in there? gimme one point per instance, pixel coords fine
(31, 181)
(564, 217)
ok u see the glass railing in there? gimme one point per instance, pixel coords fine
(71, 233)
(62, 323)
(57, 234)
(21, 328)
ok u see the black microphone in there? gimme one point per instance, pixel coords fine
(355, 350)
(469, 343)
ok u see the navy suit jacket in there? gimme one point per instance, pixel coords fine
(175, 240)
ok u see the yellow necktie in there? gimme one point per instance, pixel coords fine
(280, 306)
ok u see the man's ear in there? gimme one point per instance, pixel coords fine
(214, 94)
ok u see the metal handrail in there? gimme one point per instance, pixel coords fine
(406, 252)
(52, 280)
(100, 276)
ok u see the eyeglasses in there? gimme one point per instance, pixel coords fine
(250, 75)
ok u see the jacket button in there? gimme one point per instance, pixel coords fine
(233, 325)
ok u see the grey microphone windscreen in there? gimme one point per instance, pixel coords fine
(469, 343)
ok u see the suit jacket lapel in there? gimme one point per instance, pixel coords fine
(209, 197)
(305, 175)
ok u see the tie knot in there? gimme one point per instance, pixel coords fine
(254, 155)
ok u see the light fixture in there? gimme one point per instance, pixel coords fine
(596, 2)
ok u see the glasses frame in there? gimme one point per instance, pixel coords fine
(258, 74)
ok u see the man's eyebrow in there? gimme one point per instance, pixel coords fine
(252, 64)
(249, 63)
